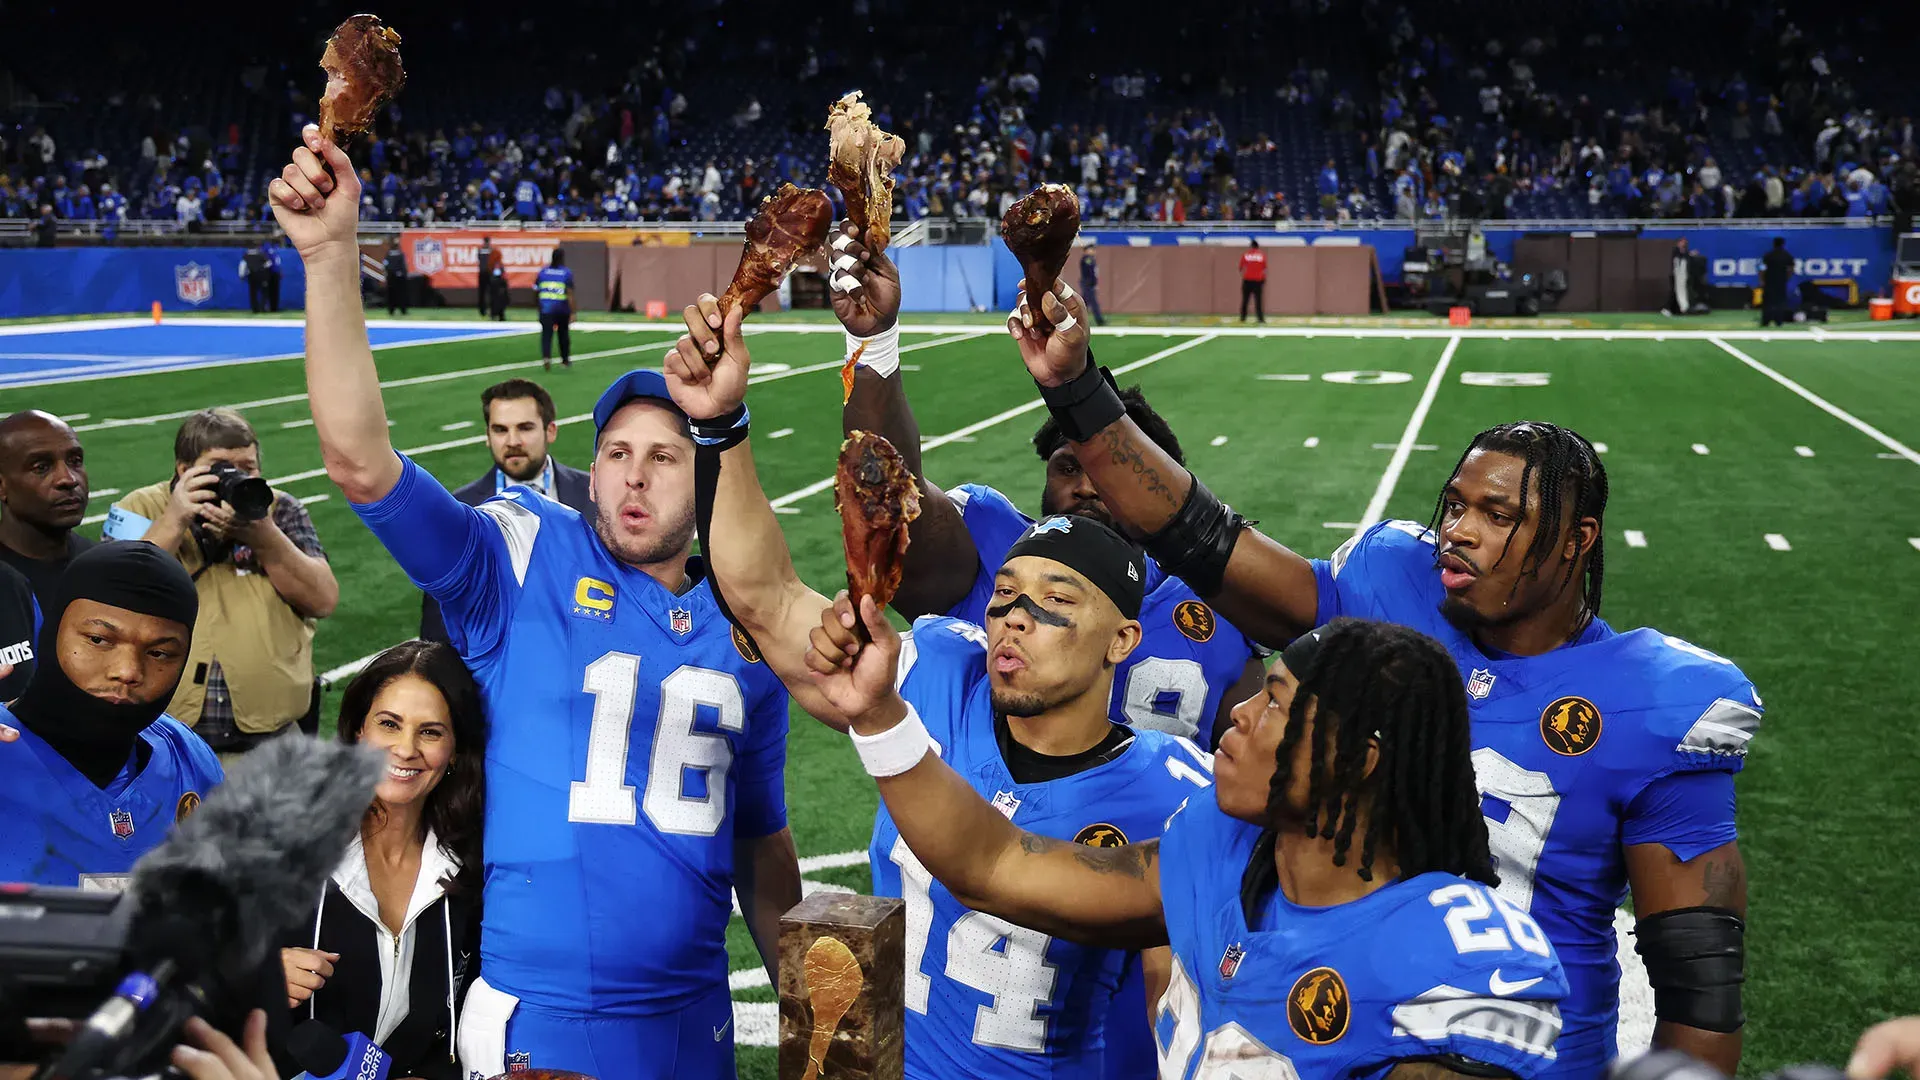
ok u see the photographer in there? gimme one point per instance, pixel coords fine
(260, 572)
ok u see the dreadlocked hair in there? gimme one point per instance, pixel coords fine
(1570, 473)
(1377, 683)
(1050, 438)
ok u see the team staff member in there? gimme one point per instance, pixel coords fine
(95, 772)
(554, 287)
(1253, 280)
(43, 496)
(398, 283)
(521, 428)
(1090, 283)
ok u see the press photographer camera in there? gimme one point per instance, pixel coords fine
(195, 932)
(260, 572)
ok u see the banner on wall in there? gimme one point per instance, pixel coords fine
(86, 281)
(449, 258)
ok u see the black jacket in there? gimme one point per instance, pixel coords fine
(569, 486)
(422, 1045)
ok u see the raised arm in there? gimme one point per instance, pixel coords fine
(1099, 896)
(320, 211)
(746, 552)
(941, 562)
(1265, 589)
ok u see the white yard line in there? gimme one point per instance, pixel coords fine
(1636, 538)
(416, 380)
(1823, 404)
(1377, 506)
(1778, 542)
(141, 365)
(1312, 441)
(1599, 448)
(1701, 449)
(1915, 541)
(1803, 451)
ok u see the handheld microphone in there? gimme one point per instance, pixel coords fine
(206, 906)
(325, 1054)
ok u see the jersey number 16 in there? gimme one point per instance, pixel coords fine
(605, 797)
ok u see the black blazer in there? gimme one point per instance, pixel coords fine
(351, 999)
(569, 485)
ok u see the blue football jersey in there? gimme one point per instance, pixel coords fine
(985, 997)
(633, 738)
(1430, 965)
(62, 830)
(1613, 739)
(1188, 657)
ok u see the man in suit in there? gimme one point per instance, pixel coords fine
(521, 428)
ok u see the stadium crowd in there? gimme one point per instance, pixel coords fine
(1415, 112)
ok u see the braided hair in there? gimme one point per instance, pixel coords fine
(1570, 474)
(1154, 426)
(1380, 683)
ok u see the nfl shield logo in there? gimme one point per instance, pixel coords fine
(193, 283)
(680, 620)
(122, 823)
(429, 257)
(1006, 804)
(1230, 961)
(519, 1061)
(1480, 684)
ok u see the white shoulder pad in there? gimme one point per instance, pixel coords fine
(519, 526)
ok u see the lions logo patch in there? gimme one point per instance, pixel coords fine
(1317, 1006)
(1194, 619)
(744, 646)
(1100, 834)
(1570, 726)
(184, 809)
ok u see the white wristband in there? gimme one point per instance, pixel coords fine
(882, 355)
(896, 749)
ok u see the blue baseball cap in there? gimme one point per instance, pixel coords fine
(635, 384)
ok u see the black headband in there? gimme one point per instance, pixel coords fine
(1093, 551)
(1302, 654)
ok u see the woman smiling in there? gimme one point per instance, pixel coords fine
(391, 941)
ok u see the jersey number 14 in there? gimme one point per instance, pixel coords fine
(605, 797)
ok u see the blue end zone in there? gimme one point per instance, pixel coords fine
(37, 355)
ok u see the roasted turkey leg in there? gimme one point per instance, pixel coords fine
(363, 69)
(790, 224)
(877, 497)
(1039, 230)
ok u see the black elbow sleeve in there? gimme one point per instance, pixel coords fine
(1696, 962)
(1197, 543)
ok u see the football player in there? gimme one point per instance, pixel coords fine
(1191, 666)
(637, 744)
(1606, 758)
(1329, 906)
(93, 772)
(1020, 710)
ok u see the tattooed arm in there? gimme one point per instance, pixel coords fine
(1661, 882)
(1269, 592)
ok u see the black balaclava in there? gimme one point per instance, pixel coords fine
(97, 737)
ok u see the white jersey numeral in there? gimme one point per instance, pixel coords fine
(1006, 962)
(1231, 1051)
(605, 797)
(1469, 904)
(1517, 842)
(1157, 677)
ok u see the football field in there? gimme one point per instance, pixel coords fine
(1765, 505)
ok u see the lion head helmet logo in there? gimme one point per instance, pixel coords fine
(1318, 1007)
(1570, 726)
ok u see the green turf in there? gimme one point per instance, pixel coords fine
(1825, 630)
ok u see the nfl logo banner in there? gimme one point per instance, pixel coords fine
(1480, 684)
(193, 283)
(429, 256)
(680, 620)
(122, 823)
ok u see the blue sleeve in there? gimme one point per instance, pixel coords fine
(994, 523)
(35, 601)
(1688, 813)
(760, 807)
(455, 553)
(1363, 572)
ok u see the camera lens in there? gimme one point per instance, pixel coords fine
(249, 496)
